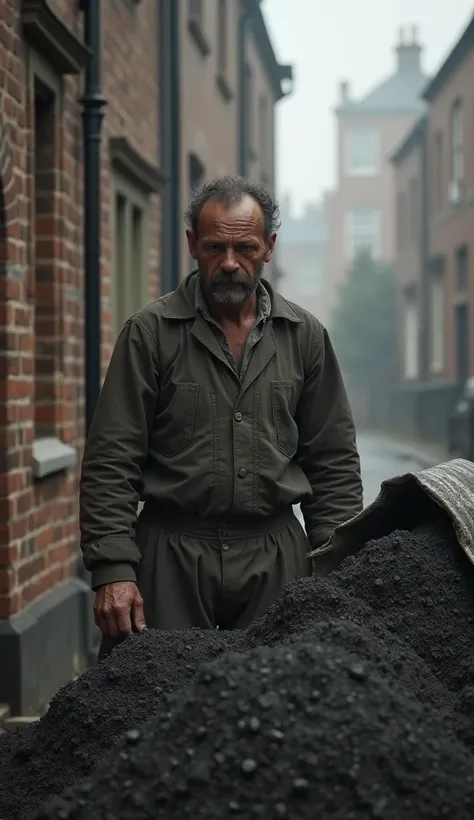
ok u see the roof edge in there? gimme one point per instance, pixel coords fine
(452, 62)
(343, 111)
(415, 134)
(277, 73)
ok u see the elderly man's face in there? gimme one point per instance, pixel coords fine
(231, 249)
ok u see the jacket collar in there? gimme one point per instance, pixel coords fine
(181, 302)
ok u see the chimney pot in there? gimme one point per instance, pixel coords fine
(344, 91)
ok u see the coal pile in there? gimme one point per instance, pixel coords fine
(387, 644)
(420, 585)
(88, 716)
(417, 586)
(301, 732)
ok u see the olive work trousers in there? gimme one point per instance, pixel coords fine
(197, 572)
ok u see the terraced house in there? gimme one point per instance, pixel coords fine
(435, 184)
(109, 113)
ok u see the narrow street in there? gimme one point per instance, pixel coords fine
(383, 457)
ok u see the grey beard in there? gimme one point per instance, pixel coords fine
(233, 295)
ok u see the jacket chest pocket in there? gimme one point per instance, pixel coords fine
(174, 422)
(286, 428)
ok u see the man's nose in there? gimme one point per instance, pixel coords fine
(230, 263)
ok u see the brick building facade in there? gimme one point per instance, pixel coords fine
(368, 131)
(440, 303)
(42, 55)
(303, 247)
(45, 609)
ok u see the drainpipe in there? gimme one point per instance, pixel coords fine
(424, 284)
(170, 122)
(242, 157)
(92, 102)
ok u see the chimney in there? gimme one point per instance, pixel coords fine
(344, 92)
(408, 50)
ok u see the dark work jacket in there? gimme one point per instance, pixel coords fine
(174, 423)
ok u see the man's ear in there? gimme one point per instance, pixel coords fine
(191, 243)
(270, 247)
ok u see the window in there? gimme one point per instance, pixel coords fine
(457, 143)
(264, 133)
(462, 270)
(436, 307)
(45, 257)
(414, 210)
(411, 337)
(436, 175)
(196, 176)
(363, 153)
(363, 231)
(248, 121)
(196, 173)
(130, 269)
(401, 220)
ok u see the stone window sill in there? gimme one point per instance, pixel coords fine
(224, 87)
(51, 456)
(199, 37)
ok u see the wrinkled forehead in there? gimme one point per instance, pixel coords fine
(244, 217)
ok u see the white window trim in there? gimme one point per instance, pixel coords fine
(350, 250)
(437, 321)
(369, 170)
(457, 142)
(411, 351)
(120, 185)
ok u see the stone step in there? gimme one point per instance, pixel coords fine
(4, 714)
(11, 724)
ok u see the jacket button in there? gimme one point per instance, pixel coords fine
(225, 547)
(242, 472)
(238, 417)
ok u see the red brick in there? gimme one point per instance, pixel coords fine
(31, 569)
(8, 581)
(45, 514)
(9, 604)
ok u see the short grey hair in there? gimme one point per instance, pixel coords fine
(230, 191)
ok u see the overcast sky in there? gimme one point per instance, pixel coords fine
(344, 39)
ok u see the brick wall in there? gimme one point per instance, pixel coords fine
(41, 276)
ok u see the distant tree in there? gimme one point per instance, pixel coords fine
(363, 323)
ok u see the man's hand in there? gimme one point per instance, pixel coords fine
(118, 609)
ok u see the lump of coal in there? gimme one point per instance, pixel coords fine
(334, 740)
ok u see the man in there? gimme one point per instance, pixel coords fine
(222, 407)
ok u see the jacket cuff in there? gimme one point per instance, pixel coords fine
(112, 574)
(319, 537)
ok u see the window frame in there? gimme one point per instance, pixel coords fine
(368, 170)
(50, 455)
(134, 198)
(437, 321)
(351, 249)
(411, 360)
(457, 141)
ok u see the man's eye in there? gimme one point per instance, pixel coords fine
(212, 248)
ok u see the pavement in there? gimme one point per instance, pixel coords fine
(383, 457)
